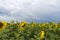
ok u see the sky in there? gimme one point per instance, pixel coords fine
(30, 10)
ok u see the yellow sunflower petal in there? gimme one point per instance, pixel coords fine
(22, 25)
(3, 25)
(42, 33)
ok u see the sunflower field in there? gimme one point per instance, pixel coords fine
(29, 31)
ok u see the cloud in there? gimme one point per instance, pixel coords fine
(30, 10)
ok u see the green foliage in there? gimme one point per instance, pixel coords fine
(13, 32)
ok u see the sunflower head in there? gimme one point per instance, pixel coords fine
(52, 23)
(42, 33)
(55, 27)
(32, 24)
(43, 24)
(22, 25)
(3, 25)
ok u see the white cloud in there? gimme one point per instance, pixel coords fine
(25, 9)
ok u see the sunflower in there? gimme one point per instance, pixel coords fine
(53, 27)
(43, 24)
(3, 25)
(22, 25)
(32, 24)
(42, 33)
(52, 23)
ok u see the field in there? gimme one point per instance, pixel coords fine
(29, 31)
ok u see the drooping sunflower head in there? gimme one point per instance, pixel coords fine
(42, 33)
(54, 27)
(3, 25)
(32, 24)
(52, 23)
(22, 25)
